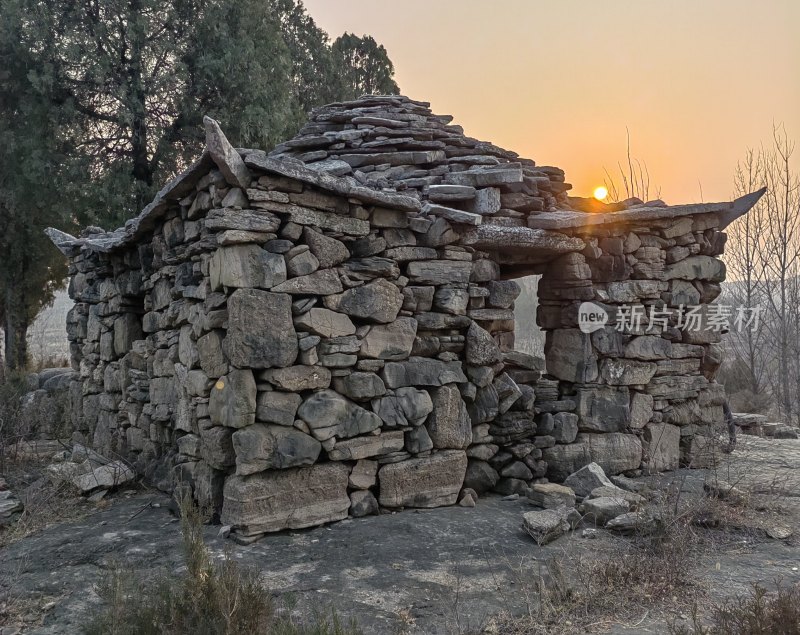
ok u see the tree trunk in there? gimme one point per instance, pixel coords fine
(142, 169)
(16, 333)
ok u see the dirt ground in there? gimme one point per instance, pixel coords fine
(440, 571)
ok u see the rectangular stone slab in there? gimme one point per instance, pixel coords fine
(432, 481)
(286, 499)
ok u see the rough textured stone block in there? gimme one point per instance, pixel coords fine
(661, 446)
(286, 499)
(449, 425)
(329, 414)
(259, 447)
(426, 482)
(260, 330)
(570, 356)
(233, 400)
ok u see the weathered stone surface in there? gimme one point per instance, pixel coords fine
(493, 176)
(246, 266)
(278, 407)
(212, 358)
(216, 447)
(261, 447)
(486, 201)
(127, 329)
(516, 470)
(360, 385)
(548, 524)
(503, 293)
(614, 452)
(418, 440)
(449, 425)
(452, 214)
(683, 292)
(225, 156)
(601, 510)
(447, 193)
(326, 323)
(317, 218)
(648, 348)
(233, 400)
(423, 482)
(329, 414)
(390, 341)
(641, 409)
(322, 282)
(661, 447)
(480, 476)
(369, 446)
(233, 222)
(481, 349)
(617, 492)
(507, 392)
(404, 407)
(363, 503)
(439, 271)
(301, 263)
(297, 378)
(570, 356)
(603, 408)
(627, 372)
(696, 268)
(364, 474)
(565, 427)
(328, 251)
(420, 371)
(104, 477)
(260, 330)
(551, 495)
(486, 405)
(377, 301)
(451, 300)
(286, 499)
(586, 479)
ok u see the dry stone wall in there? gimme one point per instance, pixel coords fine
(328, 330)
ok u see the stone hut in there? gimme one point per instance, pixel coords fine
(327, 329)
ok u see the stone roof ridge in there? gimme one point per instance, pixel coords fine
(392, 151)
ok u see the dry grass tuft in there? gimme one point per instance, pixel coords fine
(758, 613)
(209, 597)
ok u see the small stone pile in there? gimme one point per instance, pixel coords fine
(328, 330)
(88, 471)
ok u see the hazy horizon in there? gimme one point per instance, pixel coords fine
(695, 83)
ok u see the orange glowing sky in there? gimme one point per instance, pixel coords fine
(696, 82)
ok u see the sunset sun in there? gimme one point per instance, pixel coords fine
(600, 193)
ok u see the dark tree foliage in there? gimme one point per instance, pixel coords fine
(364, 66)
(101, 102)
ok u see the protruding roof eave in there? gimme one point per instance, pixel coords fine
(135, 227)
(66, 243)
(567, 219)
(741, 206)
